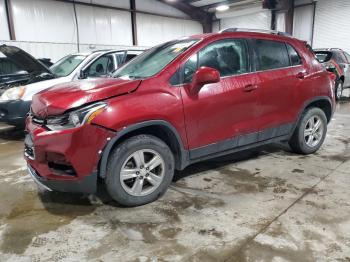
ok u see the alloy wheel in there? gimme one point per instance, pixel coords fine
(313, 131)
(142, 172)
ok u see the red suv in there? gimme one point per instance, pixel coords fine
(178, 103)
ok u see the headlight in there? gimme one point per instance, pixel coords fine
(76, 118)
(13, 93)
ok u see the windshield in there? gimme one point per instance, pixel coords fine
(66, 65)
(154, 60)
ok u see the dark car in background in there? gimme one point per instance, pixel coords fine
(338, 61)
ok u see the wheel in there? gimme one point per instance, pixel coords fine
(139, 170)
(310, 132)
(339, 89)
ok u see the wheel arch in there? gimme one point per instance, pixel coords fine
(159, 128)
(322, 102)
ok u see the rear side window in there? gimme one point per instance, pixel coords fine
(347, 57)
(294, 56)
(271, 54)
(340, 57)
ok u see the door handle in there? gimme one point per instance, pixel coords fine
(250, 88)
(301, 75)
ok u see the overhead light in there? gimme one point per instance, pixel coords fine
(222, 8)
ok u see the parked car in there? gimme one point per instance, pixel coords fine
(176, 104)
(16, 97)
(338, 61)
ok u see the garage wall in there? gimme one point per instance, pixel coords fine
(303, 22)
(253, 17)
(332, 24)
(4, 33)
(47, 28)
(152, 30)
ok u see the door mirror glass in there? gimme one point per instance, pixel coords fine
(82, 74)
(203, 76)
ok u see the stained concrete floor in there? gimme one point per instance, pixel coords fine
(262, 205)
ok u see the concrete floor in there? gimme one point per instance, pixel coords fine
(263, 205)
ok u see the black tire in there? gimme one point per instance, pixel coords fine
(121, 153)
(339, 87)
(297, 142)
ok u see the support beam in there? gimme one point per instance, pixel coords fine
(77, 25)
(133, 22)
(9, 16)
(205, 18)
(290, 17)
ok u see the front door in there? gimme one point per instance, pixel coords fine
(218, 117)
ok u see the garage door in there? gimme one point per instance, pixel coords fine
(256, 20)
(332, 24)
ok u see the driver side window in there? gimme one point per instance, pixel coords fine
(101, 67)
(229, 57)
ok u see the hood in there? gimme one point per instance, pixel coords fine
(58, 99)
(25, 60)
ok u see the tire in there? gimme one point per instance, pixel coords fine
(134, 188)
(339, 89)
(301, 143)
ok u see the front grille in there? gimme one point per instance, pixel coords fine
(38, 121)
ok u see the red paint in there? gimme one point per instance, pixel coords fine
(207, 111)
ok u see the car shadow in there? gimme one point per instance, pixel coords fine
(12, 134)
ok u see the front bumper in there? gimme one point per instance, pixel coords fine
(14, 112)
(86, 185)
(67, 160)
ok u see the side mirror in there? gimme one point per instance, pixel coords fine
(203, 75)
(82, 74)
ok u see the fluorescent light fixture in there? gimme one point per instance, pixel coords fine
(222, 8)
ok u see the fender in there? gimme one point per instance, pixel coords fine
(183, 153)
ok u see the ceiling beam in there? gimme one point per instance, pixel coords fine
(226, 2)
(205, 18)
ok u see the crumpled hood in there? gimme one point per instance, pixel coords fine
(59, 98)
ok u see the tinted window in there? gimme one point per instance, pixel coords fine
(8, 67)
(323, 56)
(229, 57)
(339, 57)
(271, 54)
(294, 56)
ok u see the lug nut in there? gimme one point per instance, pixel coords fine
(137, 172)
(147, 168)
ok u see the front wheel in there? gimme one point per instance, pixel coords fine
(339, 89)
(310, 132)
(139, 170)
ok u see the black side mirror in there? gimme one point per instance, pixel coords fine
(82, 74)
(331, 68)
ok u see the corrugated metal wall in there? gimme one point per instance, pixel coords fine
(47, 28)
(332, 24)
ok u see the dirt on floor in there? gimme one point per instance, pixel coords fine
(266, 204)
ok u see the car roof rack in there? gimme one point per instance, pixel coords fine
(274, 32)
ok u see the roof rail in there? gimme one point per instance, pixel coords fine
(274, 32)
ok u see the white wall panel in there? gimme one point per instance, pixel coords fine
(281, 22)
(157, 7)
(44, 21)
(103, 26)
(54, 51)
(303, 22)
(114, 3)
(4, 32)
(153, 30)
(258, 20)
(332, 24)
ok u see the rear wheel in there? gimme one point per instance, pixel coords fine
(310, 132)
(139, 170)
(339, 89)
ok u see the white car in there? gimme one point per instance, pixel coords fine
(16, 97)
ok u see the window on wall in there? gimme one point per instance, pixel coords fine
(271, 54)
(294, 56)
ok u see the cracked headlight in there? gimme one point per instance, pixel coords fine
(76, 118)
(13, 93)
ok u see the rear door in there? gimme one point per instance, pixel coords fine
(219, 116)
(280, 70)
